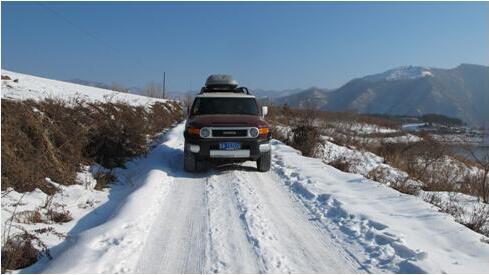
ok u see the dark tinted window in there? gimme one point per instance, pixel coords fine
(224, 105)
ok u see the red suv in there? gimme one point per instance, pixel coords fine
(225, 124)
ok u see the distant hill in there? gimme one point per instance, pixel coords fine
(461, 92)
(90, 83)
(260, 93)
(312, 97)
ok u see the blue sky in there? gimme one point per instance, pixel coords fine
(272, 45)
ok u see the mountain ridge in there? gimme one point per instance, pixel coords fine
(461, 92)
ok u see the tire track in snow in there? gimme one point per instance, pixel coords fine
(283, 234)
(177, 241)
(230, 250)
(368, 242)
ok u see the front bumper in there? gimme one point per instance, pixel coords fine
(251, 149)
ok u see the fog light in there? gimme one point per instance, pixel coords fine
(265, 147)
(194, 148)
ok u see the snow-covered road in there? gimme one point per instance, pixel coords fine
(302, 216)
(237, 221)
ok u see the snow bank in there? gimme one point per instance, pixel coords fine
(394, 231)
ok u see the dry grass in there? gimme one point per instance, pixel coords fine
(475, 218)
(29, 217)
(51, 139)
(341, 164)
(306, 138)
(56, 216)
(103, 180)
(18, 251)
(479, 220)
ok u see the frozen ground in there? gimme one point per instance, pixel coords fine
(302, 216)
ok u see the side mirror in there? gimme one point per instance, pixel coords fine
(264, 110)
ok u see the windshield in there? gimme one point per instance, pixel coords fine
(224, 105)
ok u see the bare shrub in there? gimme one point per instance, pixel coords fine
(305, 132)
(442, 177)
(120, 133)
(378, 174)
(306, 139)
(50, 139)
(29, 216)
(30, 146)
(473, 184)
(153, 90)
(475, 218)
(6, 77)
(59, 216)
(403, 185)
(479, 220)
(480, 182)
(423, 161)
(276, 134)
(103, 180)
(119, 88)
(341, 164)
(18, 252)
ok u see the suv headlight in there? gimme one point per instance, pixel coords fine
(254, 132)
(205, 132)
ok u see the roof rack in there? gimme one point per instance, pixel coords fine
(225, 89)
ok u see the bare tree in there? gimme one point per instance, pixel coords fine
(481, 179)
(118, 88)
(153, 90)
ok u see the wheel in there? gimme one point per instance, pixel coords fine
(189, 161)
(264, 162)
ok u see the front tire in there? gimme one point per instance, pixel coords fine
(264, 162)
(191, 163)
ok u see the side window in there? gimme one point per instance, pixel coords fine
(196, 106)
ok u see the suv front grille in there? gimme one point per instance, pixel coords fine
(229, 133)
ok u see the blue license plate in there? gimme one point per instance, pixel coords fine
(229, 146)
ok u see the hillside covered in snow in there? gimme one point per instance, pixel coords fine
(22, 87)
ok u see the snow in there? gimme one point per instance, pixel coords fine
(365, 128)
(302, 216)
(398, 232)
(38, 88)
(78, 200)
(401, 73)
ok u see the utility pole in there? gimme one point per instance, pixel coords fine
(164, 83)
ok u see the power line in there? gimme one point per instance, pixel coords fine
(76, 26)
(94, 37)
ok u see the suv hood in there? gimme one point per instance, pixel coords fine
(227, 121)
